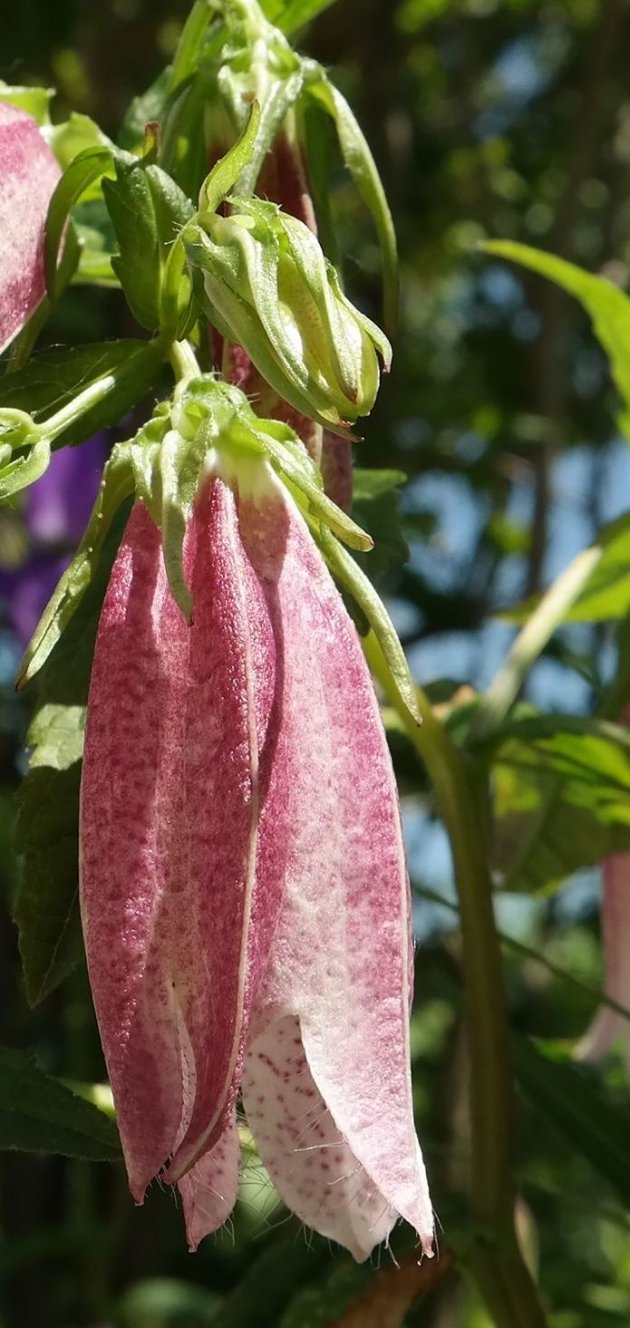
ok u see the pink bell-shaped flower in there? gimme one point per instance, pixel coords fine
(28, 175)
(244, 893)
(609, 1025)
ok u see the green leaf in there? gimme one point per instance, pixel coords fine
(46, 906)
(76, 135)
(605, 594)
(375, 507)
(561, 798)
(90, 165)
(38, 1114)
(571, 1098)
(147, 210)
(95, 235)
(291, 14)
(53, 379)
(321, 1304)
(46, 835)
(607, 306)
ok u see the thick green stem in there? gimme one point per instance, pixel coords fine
(190, 41)
(184, 361)
(506, 1285)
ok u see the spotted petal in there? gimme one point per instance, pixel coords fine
(177, 717)
(209, 1190)
(332, 1017)
(28, 175)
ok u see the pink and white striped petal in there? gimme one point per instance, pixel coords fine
(210, 1189)
(340, 961)
(28, 175)
(169, 824)
(314, 1171)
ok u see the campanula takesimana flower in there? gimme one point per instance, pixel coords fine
(28, 175)
(608, 1024)
(244, 894)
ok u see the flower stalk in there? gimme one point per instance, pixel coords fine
(494, 1260)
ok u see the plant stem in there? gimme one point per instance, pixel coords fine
(192, 35)
(531, 641)
(498, 1267)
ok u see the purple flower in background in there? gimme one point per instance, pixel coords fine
(55, 513)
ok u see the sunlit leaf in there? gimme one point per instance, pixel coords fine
(147, 210)
(561, 798)
(54, 378)
(606, 592)
(291, 14)
(608, 307)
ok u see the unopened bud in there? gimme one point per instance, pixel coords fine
(271, 290)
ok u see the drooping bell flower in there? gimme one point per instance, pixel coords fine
(244, 894)
(609, 1026)
(28, 175)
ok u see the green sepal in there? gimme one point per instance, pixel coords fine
(276, 101)
(349, 575)
(360, 163)
(90, 165)
(288, 456)
(35, 101)
(116, 485)
(21, 471)
(178, 488)
(225, 174)
(270, 289)
(253, 60)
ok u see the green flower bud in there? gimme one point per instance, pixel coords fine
(270, 288)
